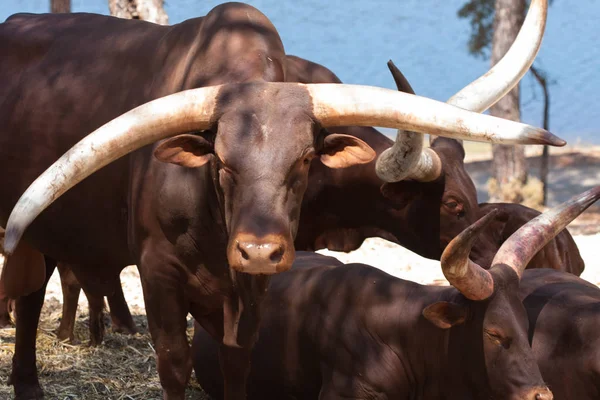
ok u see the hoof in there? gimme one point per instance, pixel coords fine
(125, 330)
(26, 391)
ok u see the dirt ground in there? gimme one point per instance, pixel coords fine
(124, 366)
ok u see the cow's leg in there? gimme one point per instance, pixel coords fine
(96, 311)
(120, 316)
(4, 312)
(71, 289)
(166, 310)
(24, 374)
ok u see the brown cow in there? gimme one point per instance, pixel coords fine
(121, 319)
(333, 330)
(207, 214)
(421, 216)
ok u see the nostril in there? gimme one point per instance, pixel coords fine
(277, 255)
(243, 253)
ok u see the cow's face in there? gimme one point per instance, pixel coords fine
(435, 211)
(263, 146)
(494, 339)
(458, 206)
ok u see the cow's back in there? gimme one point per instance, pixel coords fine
(564, 320)
(285, 363)
(561, 253)
(63, 76)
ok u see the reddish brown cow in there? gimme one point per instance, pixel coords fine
(207, 214)
(421, 216)
(333, 330)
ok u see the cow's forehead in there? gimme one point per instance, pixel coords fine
(259, 137)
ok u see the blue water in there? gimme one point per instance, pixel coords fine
(426, 39)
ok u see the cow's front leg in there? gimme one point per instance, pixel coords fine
(166, 310)
(24, 373)
(241, 319)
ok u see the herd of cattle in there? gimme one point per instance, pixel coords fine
(216, 163)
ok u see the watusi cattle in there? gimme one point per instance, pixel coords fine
(121, 319)
(332, 330)
(564, 317)
(207, 201)
(406, 212)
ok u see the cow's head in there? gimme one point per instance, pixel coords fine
(260, 150)
(489, 319)
(439, 182)
(442, 163)
(264, 136)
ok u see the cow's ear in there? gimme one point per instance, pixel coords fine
(341, 151)
(445, 315)
(186, 150)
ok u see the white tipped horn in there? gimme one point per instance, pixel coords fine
(168, 116)
(346, 105)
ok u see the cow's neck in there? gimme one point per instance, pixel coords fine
(434, 360)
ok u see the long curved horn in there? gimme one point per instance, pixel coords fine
(332, 105)
(484, 92)
(347, 105)
(521, 246)
(478, 96)
(468, 277)
(167, 116)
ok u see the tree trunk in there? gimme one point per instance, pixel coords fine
(148, 10)
(60, 6)
(509, 166)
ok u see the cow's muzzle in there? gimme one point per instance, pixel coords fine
(536, 393)
(271, 254)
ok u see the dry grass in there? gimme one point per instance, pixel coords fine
(123, 367)
(530, 195)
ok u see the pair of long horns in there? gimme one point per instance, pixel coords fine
(407, 158)
(476, 283)
(197, 109)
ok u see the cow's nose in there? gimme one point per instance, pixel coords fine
(260, 256)
(544, 394)
(263, 251)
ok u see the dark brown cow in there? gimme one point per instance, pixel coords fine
(333, 330)
(564, 321)
(411, 213)
(560, 254)
(208, 214)
(421, 216)
(121, 319)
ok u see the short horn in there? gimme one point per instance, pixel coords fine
(164, 117)
(402, 83)
(468, 277)
(521, 246)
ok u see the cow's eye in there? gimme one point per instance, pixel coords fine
(451, 204)
(306, 161)
(498, 340)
